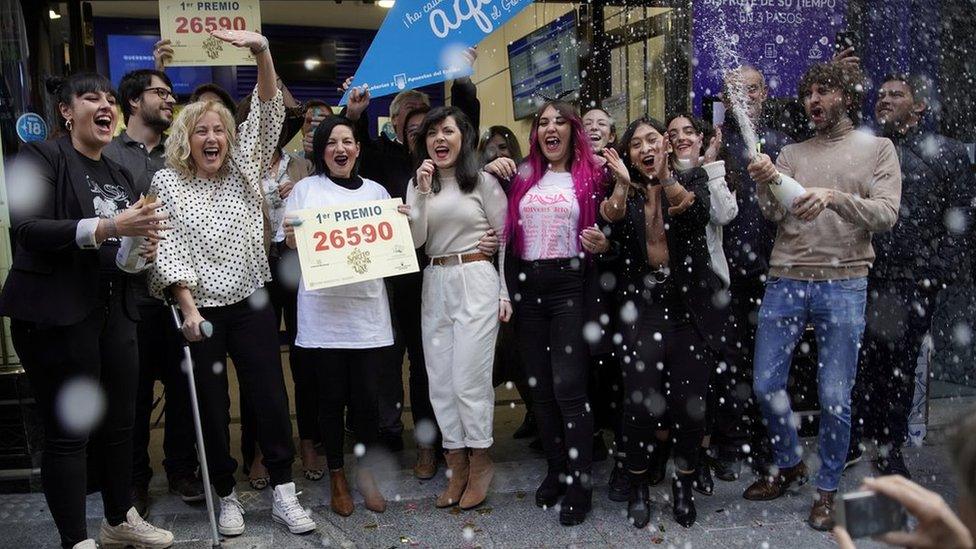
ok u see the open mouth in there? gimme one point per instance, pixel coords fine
(647, 162)
(552, 143)
(166, 111)
(104, 122)
(441, 152)
(817, 114)
(596, 137)
(683, 146)
(211, 153)
(341, 160)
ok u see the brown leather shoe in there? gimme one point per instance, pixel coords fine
(426, 466)
(341, 499)
(371, 493)
(457, 474)
(822, 513)
(479, 478)
(770, 487)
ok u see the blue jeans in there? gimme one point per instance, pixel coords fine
(836, 310)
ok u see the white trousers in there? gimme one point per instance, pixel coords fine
(459, 320)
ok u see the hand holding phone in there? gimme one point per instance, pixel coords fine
(867, 513)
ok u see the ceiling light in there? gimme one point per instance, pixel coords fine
(311, 63)
(53, 14)
(386, 3)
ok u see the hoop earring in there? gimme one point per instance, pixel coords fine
(67, 124)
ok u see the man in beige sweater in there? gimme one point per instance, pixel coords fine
(818, 272)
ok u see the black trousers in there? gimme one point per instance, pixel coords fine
(406, 292)
(665, 382)
(250, 336)
(283, 293)
(160, 358)
(606, 393)
(898, 315)
(734, 416)
(549, 327)
(347, 378)
(74, 370)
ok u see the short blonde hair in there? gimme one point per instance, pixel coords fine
(177, 154)
(405, 96)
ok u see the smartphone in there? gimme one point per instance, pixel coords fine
(844, 40)
(867, 513)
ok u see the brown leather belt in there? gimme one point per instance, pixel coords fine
(459, 259)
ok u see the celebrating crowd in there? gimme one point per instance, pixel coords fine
(650, 280)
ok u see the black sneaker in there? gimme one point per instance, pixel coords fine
(189, 489)
(894, 464)
(854, 454)
(140, 500)
(727, 468)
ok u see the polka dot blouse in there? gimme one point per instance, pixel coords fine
(216, 247)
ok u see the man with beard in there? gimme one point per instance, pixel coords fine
(748, 241)
(818, 273)
(147, 100)
(925, 252)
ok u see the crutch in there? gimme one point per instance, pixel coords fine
(206, 328)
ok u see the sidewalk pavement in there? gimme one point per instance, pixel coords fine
(509, 518)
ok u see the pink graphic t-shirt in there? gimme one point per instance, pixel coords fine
(549, 213)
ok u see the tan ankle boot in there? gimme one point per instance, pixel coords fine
(479, 477)
(457, 473)
(371, 493)
(426, 466)
(341, 500)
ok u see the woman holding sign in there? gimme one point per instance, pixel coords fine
(345, 333)
(214, 264)
(453, 204)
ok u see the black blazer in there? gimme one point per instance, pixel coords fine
(702, 290)
(52, 280)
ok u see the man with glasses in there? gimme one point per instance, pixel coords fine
(147, 101)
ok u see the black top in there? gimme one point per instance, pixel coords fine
(701, 290)
(52, 280)
(351, 183)
(935, 216)
(142, 164)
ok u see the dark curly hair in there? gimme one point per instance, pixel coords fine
(839, 76)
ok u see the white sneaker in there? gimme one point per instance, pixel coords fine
(87, 544)
(134, 531)
(231, 520)
(288, 511)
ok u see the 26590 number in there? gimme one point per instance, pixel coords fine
(196, 25)
(352, 236)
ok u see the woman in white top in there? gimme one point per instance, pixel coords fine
(687, 135)
(214, 264)
(453, 204)
(345, 333)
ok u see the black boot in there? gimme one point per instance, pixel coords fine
(684, 499)
(553, 486)
(578, 501)
(527, 428)
(639, 502)
(659, 462)
(600, 450)
(894, 463)
(703, 474)
(726, 464)
(619, 482)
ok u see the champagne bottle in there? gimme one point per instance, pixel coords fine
(786, 190)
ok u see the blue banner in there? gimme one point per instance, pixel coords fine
(422, 42)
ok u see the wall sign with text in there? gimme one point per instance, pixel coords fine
(188, 25)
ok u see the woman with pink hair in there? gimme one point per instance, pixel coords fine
(551, 237)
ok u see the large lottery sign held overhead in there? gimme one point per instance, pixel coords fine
(422, 42)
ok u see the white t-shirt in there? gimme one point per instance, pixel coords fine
(549, 213)
(353, 316)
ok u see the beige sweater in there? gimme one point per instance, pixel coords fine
(863, 171)
(451, 222)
